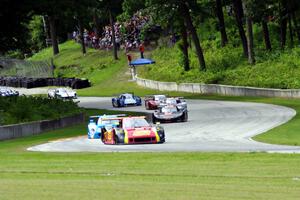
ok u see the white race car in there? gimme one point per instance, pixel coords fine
(62, 93)
(179, 102)
(7, 92)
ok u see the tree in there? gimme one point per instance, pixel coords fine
(167, 14)
(184, 47)
(239, 14)
(53, 33)
(266, 34)
(130, 7)
(13, 16)
(247, 4)
(110, 9)
(222, 29)
(55, 10)
(80, 11)
(185, 10)
(283, 22)
(36, 33)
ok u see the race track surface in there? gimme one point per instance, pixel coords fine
(213, 126)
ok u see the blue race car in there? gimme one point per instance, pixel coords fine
(97, 123)
(126, 99)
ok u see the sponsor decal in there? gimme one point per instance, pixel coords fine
(140, 133)
(108, 136)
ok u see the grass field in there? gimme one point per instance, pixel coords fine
(36, 175)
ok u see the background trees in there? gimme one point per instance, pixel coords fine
(251, 24)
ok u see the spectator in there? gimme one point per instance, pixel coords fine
(142, 49)
(129, 59)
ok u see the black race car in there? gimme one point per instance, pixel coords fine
(170, 113)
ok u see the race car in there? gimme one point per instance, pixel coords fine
(179, 102)
(153, 101)
(131, 130)
(96, 123)
(62, 93)
(7, 92)
(170, 113)
(126, 99)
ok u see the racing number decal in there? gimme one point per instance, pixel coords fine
(108, 136)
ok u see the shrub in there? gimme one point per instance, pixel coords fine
(25, 109)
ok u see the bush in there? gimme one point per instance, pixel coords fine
(24, 109)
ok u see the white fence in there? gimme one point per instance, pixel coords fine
(218, 89)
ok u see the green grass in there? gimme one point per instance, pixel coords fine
(37, 175)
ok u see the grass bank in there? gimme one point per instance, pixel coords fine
(36, 175)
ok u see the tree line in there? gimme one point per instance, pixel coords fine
(183, 17)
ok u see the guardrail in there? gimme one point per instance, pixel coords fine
(229, 90)
(35, 128)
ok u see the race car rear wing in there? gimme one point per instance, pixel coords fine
(147, 97)
(117, 95)
(108, 116)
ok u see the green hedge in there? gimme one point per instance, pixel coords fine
(25, 109)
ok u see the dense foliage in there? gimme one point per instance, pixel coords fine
(25, 109)
(276, 69)
(238, 42)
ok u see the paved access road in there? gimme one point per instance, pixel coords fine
(213, 126)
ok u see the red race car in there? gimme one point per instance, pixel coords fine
(152, 102)
(131, 130)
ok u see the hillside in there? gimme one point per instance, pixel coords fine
(108, 76)
(276, 69)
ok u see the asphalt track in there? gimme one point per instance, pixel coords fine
(213, 126)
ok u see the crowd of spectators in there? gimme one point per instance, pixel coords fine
(127, 35)
(133, 29)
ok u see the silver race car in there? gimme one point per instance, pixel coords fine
(179, 102)
(62, 93)
(170, 113)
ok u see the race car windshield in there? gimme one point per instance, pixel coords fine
(128, 96)
(171, 101)
(110, 123)
(159, 98)
(169, 110)
(135, 123)
(62, 90)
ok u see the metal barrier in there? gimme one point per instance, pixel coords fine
(25, 68)
(34, 128)
(229, 90)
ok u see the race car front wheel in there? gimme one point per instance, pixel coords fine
(185, 117)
